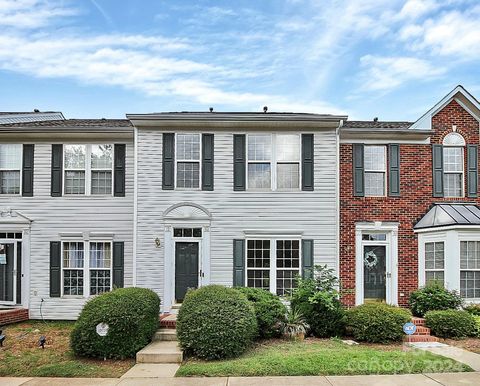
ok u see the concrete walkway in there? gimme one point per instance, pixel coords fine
(446, 379)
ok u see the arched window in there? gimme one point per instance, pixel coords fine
(453, 165)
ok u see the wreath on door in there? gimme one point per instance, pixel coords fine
(370, 259)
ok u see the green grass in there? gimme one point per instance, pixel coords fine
(22, 357)
(322, 357)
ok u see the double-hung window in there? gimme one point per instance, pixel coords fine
(86, 267)
(273, 161)
(453, 171)
(10, 168)
(435, 262)
(88, 169)
(188, 158)
(273, 265)
(470, 269)
(375, 170)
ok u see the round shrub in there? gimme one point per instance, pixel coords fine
(216, 322)
(473, 309)
(318, 301)
(377, 322)
(269, 311)
(132, 317)
(433, 297)
(451, 323)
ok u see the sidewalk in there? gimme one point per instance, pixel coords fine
(446, 379)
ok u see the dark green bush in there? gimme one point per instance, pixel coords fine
(269, 310)
(451, 323)
(318, 301)
(473, 309)
(377, 322)
(216, 322)
(132, 317)
(433, 297)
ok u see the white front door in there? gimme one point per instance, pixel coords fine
(376, 266)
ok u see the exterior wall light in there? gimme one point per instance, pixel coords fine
(157, 242)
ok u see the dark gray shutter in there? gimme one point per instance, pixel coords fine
(239, 162)
(437, 151)
(27, 170)
(239, 263)
(307, 162)
(57, 170)
(119, 171)
(207, 161)
(394, 170)
(358, 171)
(307, 259)
(168, 167)
(472, 168)
(55, 269)
(118, 264)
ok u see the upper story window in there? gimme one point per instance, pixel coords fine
(10, 168)
(273, 161)
(188, 158)
(375, 170)
(453, 165)
(88, 169)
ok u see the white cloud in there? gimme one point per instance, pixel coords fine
(386, 73)
(413, 9)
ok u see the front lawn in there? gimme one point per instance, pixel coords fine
(22, 357)
(322, 357)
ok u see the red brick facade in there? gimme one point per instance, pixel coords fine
(415, 199)
(13, 316)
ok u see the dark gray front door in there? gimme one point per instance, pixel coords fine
(374, 274)
(186, 268)
(7, 272)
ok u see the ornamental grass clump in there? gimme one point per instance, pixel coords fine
(216, 322)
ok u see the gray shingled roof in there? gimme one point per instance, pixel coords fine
(74, 123)
(376, 124)
(441, 215)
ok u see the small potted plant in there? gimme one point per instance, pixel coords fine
(295, 326)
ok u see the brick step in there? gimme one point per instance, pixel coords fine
(168, 321)
(160, 352)
(419, 338)
(418, 321)
(422, 331)
(165, 334)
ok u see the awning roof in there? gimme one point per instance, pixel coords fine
(441, 215)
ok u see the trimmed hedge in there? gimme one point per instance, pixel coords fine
(433, 297)
(451, 323)
(473, 309)
(377, 322)
(216, 322)
(269, 311)
(132, 317)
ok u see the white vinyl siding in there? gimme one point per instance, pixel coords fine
(10, 168)
(375, 170)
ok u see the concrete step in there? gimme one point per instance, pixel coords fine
(419, 338)
(166, 334)
(160, 352)
(418, 321)
(422, 331)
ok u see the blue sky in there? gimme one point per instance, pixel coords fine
(104, 58)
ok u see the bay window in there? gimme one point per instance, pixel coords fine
(88, 169)
(84, 276)
(470, 269)
(273, 265)
(435, 262)
(273, 161)
(188, 160)
(10, 168)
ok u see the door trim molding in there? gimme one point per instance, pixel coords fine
(391, 230)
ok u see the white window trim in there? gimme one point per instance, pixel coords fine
(14, 170)
(88, 170)
(199, 161)
(462, 172)
(273, 164)
(86, 266)
(273, 259)
(434, 259)
(384, 171)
